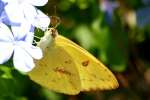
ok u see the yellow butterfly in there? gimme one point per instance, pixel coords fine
(67, 68)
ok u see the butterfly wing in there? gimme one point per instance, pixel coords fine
(93, 74)
(56, 71)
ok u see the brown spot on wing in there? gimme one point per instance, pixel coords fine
(85, 63)
(62, 71)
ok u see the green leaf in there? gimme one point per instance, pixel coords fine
(5, 72)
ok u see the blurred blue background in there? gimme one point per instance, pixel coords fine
(115, 31)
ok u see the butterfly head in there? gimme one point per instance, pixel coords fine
(53, 32)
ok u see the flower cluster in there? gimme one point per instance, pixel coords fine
(18, 19)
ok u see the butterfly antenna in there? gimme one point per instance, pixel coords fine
(55, 20)
(55, 10)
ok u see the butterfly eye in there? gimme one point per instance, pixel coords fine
(53, 32)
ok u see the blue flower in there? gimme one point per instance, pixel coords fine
(143, 17)
(17, 44)
(108, 7)
(18, 11)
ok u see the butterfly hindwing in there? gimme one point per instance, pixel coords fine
(93, 74)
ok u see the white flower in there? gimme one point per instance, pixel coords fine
(17, 44)
(19, 10)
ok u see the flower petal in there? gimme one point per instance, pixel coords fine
(34, 51)
(29, 37)
(4, 18)
(20, 32)
(5, 33)
(41, 21)
(9, 1)
(1, 6)
(22, 60)
(36, 17)
(29, 12)
(14, 12)
(6, 50)
(37, 2)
